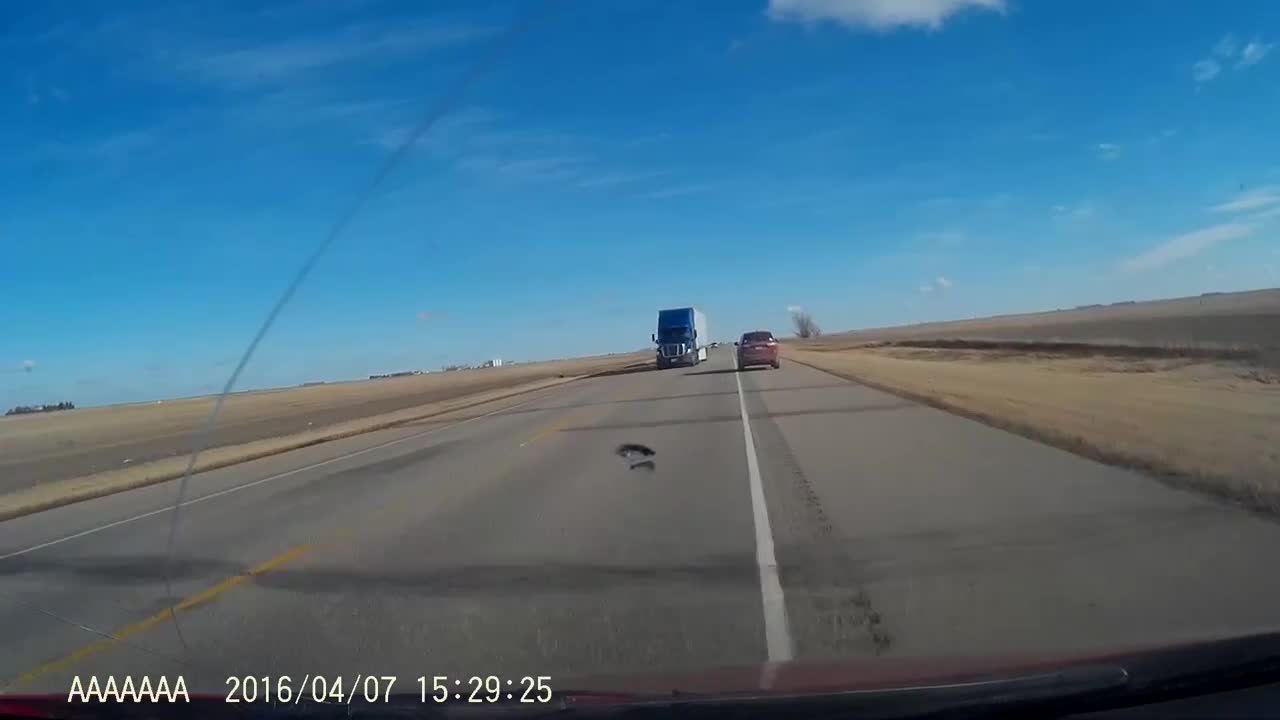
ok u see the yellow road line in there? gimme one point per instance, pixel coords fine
(141, 626)
(564, 422)
(196, 600)
(548, 430)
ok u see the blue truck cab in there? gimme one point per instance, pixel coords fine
(681, 337)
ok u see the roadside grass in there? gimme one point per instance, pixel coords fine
(1200, 418)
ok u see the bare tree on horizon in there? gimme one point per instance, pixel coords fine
(805, 325)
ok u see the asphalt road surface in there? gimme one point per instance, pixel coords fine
(513, 539)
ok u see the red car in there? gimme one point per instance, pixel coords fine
(758, 347)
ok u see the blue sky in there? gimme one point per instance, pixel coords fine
(169, 165)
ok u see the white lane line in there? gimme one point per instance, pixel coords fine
(262, 481)
(777, 634)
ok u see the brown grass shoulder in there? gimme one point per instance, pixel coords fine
(36, 449)
(1205, 423)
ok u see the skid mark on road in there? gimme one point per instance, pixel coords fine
(777, 632)
(832, 612)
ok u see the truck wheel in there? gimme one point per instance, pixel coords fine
(777, 365)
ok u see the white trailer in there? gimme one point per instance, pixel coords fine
(700, 328)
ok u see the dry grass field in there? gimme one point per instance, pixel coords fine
(1105, 383)
(1249, 320)
(41, 448)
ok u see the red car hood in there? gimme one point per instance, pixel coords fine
(810, 677)
(1141, 667)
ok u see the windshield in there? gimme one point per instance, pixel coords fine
(327, 341)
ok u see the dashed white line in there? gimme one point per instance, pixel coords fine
(777, 633)
(262, 481)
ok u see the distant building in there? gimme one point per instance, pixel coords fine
(402, 373)
(496, 362)
(51, 407)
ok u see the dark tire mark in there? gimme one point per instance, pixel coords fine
(820, 580)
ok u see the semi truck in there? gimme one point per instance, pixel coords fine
(681, 337)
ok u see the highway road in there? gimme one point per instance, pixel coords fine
(787, 514)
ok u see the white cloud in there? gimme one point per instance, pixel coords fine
(476, 140)
(795, 308)
(270, 62)
(1080, 211)
(468, 129)
(939, 285)
(879, 15)
(944, 238)
(1262, 197)
(540, 169)
(1229, 50)
(122, 145)
(1265, 215)
(1253, 53)
(1108, 151)
(290, 107)
(28, 365)
(37, 93)
(647, 140)
(679, 191)
(612, 179)
(107, 150)
(1227, 46)
(1186, 245)
(1206, 70)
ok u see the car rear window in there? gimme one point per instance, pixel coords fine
(757, 337)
